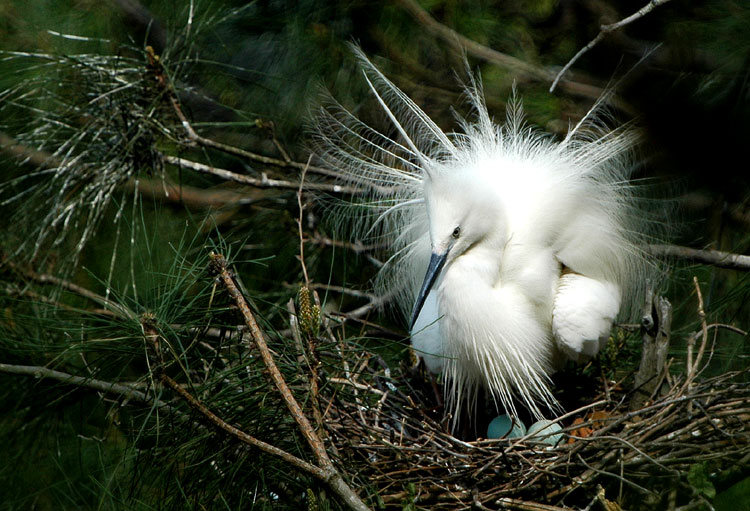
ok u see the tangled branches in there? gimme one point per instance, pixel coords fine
(645, 453)
(657, 456)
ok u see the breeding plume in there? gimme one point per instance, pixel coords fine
(511, 251)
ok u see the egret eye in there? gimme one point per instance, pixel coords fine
(456, 232)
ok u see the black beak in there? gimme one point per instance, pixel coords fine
(437, 261)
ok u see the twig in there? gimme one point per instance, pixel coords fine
(299, 226)
(46, 279)
(692, 366)
(99, 385)
(522, 68)
(704, 328)
(367, 308)
(357, 246)
(713, 257)
(241, 435)
(195, 138)
(26, 154)
(271, 128)
(193, 196)
(332, 477)
(263, 182)
(128, 392)
(509, 503)
(344, 291)
(603, 31)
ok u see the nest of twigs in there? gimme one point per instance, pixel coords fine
(666, 454)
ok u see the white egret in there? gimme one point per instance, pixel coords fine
(512, 251)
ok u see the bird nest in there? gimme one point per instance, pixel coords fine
(669, 451)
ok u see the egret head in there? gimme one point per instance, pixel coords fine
(464, 214)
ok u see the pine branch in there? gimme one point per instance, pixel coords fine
(46, 279)
(241, 435)
(263, 182)
(126, 391)
(332, 477)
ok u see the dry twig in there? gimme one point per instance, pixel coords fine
(391, 441)
(241, 435)
(126, 391)
(712, 257)
(522, 68)
(331, 476)
(263, 182)
(603, 31)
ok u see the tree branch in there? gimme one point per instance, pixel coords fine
(333, 478)
(46, 279)
(487, 54)
(603, 31)
(125, 391)
(131, 394)
(241, 435)
(263, 182)
(713, 257)
(192, 196)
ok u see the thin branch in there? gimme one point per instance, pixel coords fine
(357, 246)
(713, 257)
(46, 279)
(333, 478)
(241, 435)
(126, 391)
(194, 137)
(692, 366)
(26, 154)
(263, 182)
(192, 196)
(374, 304)
(475, 49)
(520, 505)
(344, 291)
(603, 31)
(299, 226)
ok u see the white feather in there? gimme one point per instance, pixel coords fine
(550, 243)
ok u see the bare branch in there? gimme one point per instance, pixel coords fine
(26, 154)
(46, 279)
(195, 138)
(125, 391)
(713, 257)
(603, 31)
(464, 44)
(299, 226)
(333, 478)
(192, 196)
(263, 182)
(241, 435)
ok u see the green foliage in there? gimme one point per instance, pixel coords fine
(699, 480)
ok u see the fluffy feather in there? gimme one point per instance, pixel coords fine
(549, 246)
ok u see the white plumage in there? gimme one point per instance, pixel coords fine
(512, 251)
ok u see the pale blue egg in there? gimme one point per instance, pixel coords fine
(545, 432)
(503, 426)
